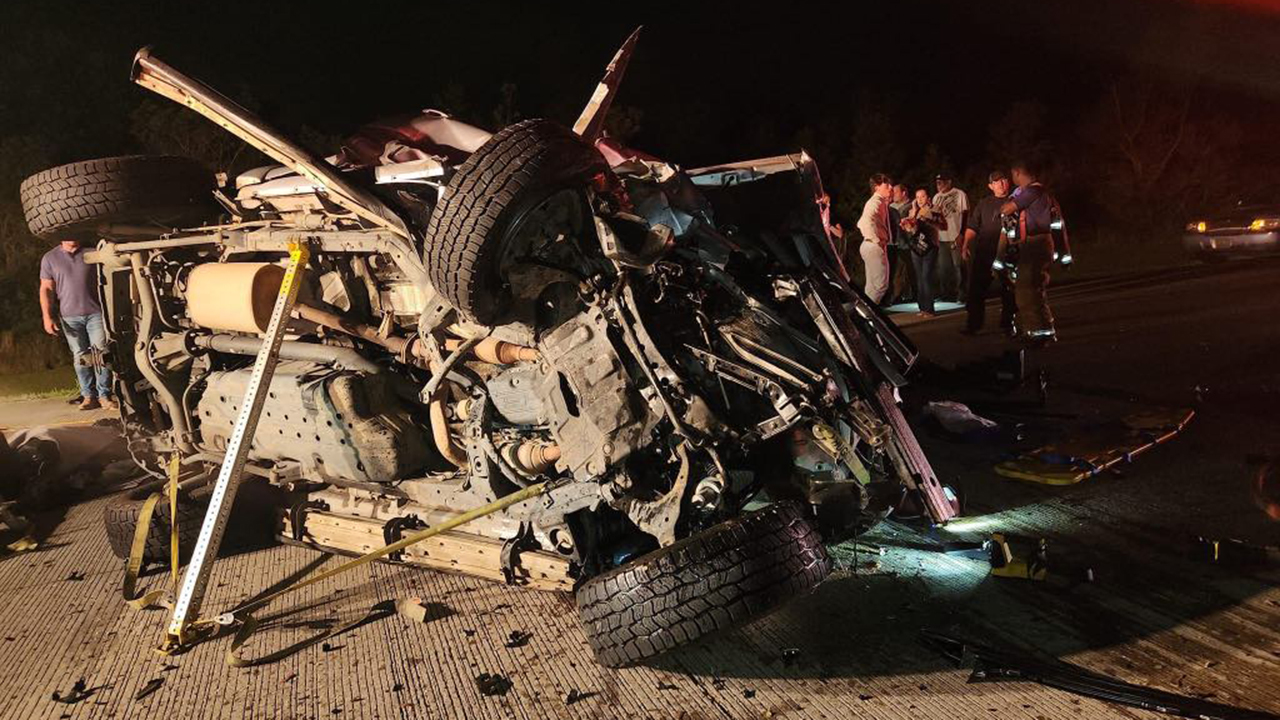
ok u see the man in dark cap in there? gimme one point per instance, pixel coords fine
(952, 205)
(978, 247)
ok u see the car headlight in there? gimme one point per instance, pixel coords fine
(1265, 224)
(1199, 227)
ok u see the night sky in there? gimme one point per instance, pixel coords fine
(715, 81)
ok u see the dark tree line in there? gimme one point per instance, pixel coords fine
(1133, 160)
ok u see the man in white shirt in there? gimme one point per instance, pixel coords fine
(953, 205)
(877, 232)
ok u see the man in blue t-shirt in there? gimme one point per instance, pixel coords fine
(69, 283)
(1034, 207)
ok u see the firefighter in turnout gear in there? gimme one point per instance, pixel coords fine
(1032, 251)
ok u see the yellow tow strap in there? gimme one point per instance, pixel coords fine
(26, 543)
(140, 533)
(248, 623)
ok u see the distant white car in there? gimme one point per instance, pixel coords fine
(1246, 230)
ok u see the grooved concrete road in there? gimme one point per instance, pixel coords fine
(1156, 615)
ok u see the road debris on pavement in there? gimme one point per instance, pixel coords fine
(1235, 553)
(1017, 557)
(78, 693)
(957, 418)
(493, 684)
(518, 638)
(995, 665)
(151, 686)
(25, 543)
(418, 611)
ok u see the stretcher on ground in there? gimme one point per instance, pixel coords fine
(1070, 461)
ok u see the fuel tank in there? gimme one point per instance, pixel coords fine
(335, 424)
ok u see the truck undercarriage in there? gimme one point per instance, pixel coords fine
(670, 349)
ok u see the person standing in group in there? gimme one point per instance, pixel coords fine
(877, 232)
(65, 280)
(923, 225)
(952, 205)
(1034, 207)
(901, 274)
(978, 246)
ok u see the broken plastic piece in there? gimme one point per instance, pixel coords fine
(493, 685)
(958, 418)
(416, 610)
(1016, 557)
(518, 638)
(23, 544)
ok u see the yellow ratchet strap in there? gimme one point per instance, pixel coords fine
(134, 568)
(248, 623)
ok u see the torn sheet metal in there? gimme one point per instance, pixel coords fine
(430, 135)
(591, 121)
(155, 75)
(745, 171)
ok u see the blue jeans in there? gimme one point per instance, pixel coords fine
(950, 265)
(83, 333)
(926, 278)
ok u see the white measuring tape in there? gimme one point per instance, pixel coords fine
(196, 577)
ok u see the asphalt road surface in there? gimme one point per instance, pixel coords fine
(1156, 614)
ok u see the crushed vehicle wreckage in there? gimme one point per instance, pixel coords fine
(486, 311)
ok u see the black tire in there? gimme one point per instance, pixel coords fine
(728, 575)
(72, 201)
(252, 521)
(512, 173)
(120, 516)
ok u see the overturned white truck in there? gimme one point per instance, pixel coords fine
(485, 311)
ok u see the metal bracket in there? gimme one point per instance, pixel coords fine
(394, 530)
(297, 515)
(95, 358)
(789, 408)
(510, 555)
(659, 518)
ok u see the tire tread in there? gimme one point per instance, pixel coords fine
(77, 197)
(725, 576)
